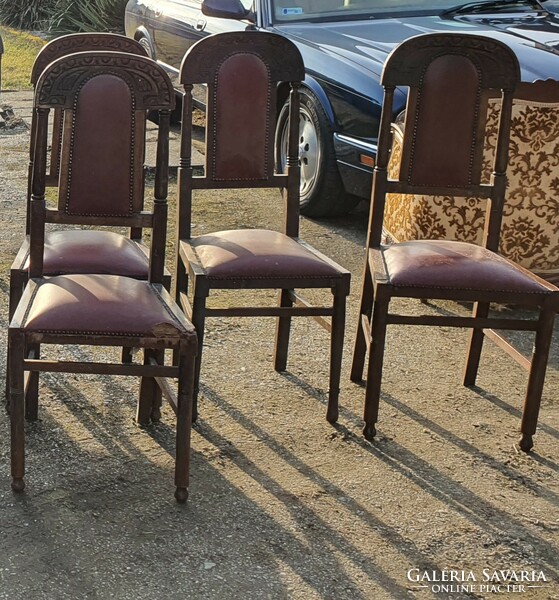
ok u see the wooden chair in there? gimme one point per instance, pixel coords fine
(450, 78)
(102, 180)
(242, 72)
(89, 250)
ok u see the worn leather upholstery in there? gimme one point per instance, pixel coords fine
(251, 252)
(447, 110)
(455, 265)
(93, 304)
(90, 251)
(241, 153)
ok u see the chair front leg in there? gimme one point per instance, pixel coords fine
(16, 350)
(336, 352)
(187, 367)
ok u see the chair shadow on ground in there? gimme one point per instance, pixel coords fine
(81, 490)
(85, 494)
(418, 470)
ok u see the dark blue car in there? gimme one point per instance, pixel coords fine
(344, 44)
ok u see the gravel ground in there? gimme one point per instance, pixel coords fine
(282, 505)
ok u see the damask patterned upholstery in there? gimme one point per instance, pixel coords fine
(530, 231)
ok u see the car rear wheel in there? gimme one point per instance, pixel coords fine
(146, 45)
(322, 191)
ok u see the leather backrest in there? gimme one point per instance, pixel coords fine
(450, 78)
(99, 173)
(241, 119)
(242, 71)
(104, 97)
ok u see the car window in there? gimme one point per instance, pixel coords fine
(338, 10)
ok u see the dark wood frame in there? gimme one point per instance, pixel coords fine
(58, 88)
(202, 65)
(498, 72)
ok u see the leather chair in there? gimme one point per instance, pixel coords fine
(450, 78)
(102, 181)
(86, 251)
(242, 72)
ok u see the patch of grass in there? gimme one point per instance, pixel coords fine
(95, 15)
(63, 16)
(20, 50)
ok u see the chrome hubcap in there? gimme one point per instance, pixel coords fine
(309, 151)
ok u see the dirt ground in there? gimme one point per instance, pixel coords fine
(282, 505)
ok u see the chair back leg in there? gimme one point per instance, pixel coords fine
(336, 351)
(480, 310)
(361, 346)
(283, 330)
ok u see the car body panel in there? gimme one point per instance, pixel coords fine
(344, 60)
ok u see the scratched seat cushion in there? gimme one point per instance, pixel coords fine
(455, 265)
(258, 254)
(90, 251)
(103, 305)
(530, 232)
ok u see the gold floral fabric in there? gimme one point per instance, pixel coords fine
(530, 230)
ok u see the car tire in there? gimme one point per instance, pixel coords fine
(322, 190)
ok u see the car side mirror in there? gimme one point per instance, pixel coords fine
(226, 9)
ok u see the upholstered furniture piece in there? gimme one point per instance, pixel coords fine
(530, 230)
(450, 80)
(242, 72)
(72, 251)
(101, 181)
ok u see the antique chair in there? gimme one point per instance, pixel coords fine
(450, 78)
(102, 180)
(242, 72)
(87, 251)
